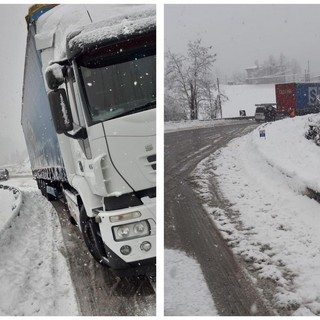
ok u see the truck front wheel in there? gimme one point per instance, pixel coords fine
(90, 231)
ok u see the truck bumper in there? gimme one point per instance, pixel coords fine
(122, 268)
(138, 259)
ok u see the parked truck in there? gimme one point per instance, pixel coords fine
(89, 121)
(297, 98)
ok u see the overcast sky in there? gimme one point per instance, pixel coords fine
(13, 32)
(241, 34)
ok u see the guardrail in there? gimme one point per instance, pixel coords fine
(313, 195)
(16, 206)
(238, 118)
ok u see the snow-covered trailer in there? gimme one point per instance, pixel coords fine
(89, 121)
(298, 98)
(40, 135)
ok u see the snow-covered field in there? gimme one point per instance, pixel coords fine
(34, 274)
(185, 295)
(272, 224)
(244, 97)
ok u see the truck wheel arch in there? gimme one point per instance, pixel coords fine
(89, 202)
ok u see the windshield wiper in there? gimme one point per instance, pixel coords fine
(140, 108)
(143, 107)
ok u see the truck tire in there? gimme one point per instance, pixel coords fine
(90, 229)
(49, 196)
(40, 186)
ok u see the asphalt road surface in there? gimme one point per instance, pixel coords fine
(99, 292)
(189, 228)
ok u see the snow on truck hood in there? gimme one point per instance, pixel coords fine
(73, 28)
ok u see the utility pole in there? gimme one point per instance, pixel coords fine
(218, 98)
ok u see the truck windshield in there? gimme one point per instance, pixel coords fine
(260, 110)
(120, 84)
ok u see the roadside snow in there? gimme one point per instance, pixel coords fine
(185, 290)
(171, 126)
(34, 274)
(270, 222)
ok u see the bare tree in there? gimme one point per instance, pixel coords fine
(190, 74)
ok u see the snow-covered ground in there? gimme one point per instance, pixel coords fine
(244, 97)
(34, 274)
(185, 295)
(272, 224)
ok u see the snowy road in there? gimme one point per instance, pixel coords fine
(189, 228)
(99, 291)
(270, 222)
(45, 268)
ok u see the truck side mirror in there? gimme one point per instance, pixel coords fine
(60, 110)
(55, 76)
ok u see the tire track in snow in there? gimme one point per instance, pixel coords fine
(99, 291)
(190, 229)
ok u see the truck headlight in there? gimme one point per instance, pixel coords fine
(123, 232)
(131, 230)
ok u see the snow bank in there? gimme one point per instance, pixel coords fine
(286, 149)
(185, 290)
(270, 222)
(34, 274)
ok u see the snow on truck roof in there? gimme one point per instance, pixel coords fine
(74, 28)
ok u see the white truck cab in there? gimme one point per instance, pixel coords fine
(99, 66)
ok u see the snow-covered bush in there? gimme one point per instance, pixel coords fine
(313, 129)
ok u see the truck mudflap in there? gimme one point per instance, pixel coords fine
(129, 236)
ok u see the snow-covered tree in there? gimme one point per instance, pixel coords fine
(189, 76)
